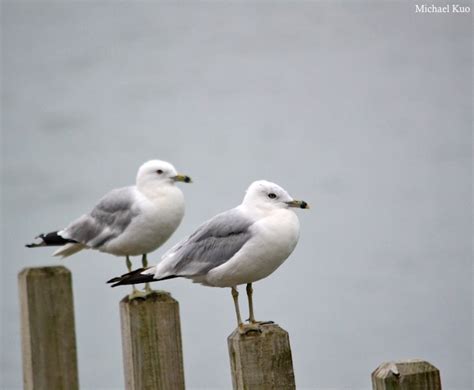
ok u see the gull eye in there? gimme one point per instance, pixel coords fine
(159, 171)
(272, 195)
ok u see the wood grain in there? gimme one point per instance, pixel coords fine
(151, 340)
(47, 329)
(261, 361)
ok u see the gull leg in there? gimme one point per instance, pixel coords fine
(235, 295)
(243, 328)
(135, 293)
(251, 319)
(148, 289)
(128, 263)
(249, 296)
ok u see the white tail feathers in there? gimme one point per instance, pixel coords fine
(149, 271)
(69, 249)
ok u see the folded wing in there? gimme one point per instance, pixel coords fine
(212, 244)
(109, 218)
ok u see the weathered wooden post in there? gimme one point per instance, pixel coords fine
(151, 340)
(411, 374)
(261, 360)
(47, 329)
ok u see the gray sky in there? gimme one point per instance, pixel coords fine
(361, 109)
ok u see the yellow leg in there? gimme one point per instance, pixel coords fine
(249, 296)
(235, 295)
(144, 261)
(135, 293)
(148, 289)
(253, 324)
(128, 263)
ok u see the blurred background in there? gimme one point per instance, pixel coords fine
(363, 109)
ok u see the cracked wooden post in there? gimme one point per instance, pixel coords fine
(47, 329)
(151, 341)
(406, 375)
(261, 360)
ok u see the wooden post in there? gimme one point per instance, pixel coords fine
(151, 340)
(47, 329)
(411, 374)
(261, 360)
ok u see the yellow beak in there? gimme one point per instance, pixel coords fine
(183, 178)
(298, 203)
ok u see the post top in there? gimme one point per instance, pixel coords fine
(403, 368)
(265, 331)
(44, 271)
(155, 296)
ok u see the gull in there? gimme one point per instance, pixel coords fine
(239, 246)
(129, 221)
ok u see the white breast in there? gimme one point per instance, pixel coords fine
(273, 239)
(159, 217)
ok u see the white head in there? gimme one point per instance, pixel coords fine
(157, 173)
(266, 195)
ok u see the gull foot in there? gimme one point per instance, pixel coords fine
(259, 322)
(137, 294)
(252, 327)
(148, 289)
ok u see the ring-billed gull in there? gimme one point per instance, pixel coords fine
(129, 221)
(239, 246)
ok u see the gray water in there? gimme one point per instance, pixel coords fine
(361, 109)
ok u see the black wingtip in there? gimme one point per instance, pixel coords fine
(113, 280)
(117, 284)
(50, 239)
(134, 277)
(37, 244)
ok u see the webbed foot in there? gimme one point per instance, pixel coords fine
(255, 326)
(259, 322)
(137, 294)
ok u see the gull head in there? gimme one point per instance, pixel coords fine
(157, 172)
(267, 195)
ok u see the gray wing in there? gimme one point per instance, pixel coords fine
(107, 220)
(211, 245)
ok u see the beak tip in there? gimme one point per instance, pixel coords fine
(183, 178)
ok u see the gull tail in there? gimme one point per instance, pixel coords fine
(136, 277)
(50, 239)
(69, 249)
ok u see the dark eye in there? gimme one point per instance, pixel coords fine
(159, 171)
(272, 196)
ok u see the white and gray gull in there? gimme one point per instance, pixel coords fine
(129, 221)
(239, 246)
